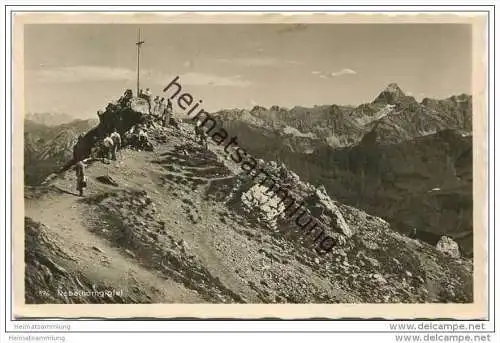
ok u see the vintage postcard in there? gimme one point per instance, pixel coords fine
(225, 165)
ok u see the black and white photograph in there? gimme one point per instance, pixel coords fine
(249, 163)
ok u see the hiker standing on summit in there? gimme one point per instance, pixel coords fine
(148, 95)
(156, 106)
(161, 109)
(167, 112)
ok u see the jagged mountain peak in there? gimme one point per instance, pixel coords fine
(391, 94)
(394, 88)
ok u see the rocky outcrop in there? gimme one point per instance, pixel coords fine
(448, 246)
(260, 199)
(116, 116)
(324, 208)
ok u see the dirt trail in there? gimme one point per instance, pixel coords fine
(95, 257)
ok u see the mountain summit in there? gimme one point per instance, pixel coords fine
(391, 94)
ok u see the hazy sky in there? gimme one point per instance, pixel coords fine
(77, 69)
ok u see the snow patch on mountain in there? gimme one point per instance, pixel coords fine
(288, 130)
(383, 112)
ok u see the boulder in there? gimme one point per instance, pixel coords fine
(269, 206)
(106, 179)
(448, 246)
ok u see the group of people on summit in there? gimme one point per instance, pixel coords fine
(136, 137)
(157, 106)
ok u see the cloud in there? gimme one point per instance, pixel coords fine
(345, 71)
(82, 73)
(329, 75)
(203, 79)
(256, 61)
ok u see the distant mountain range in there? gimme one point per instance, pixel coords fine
(48, 148)
(49, 119)
(391, 118)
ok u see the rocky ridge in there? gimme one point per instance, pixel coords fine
(392, 117)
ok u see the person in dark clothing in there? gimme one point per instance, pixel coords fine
(169, 105)
(165, 117)
(126, 99)
(81, 179)
(99, 114)
(200, 135)
(161, 107)
(166, 114)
